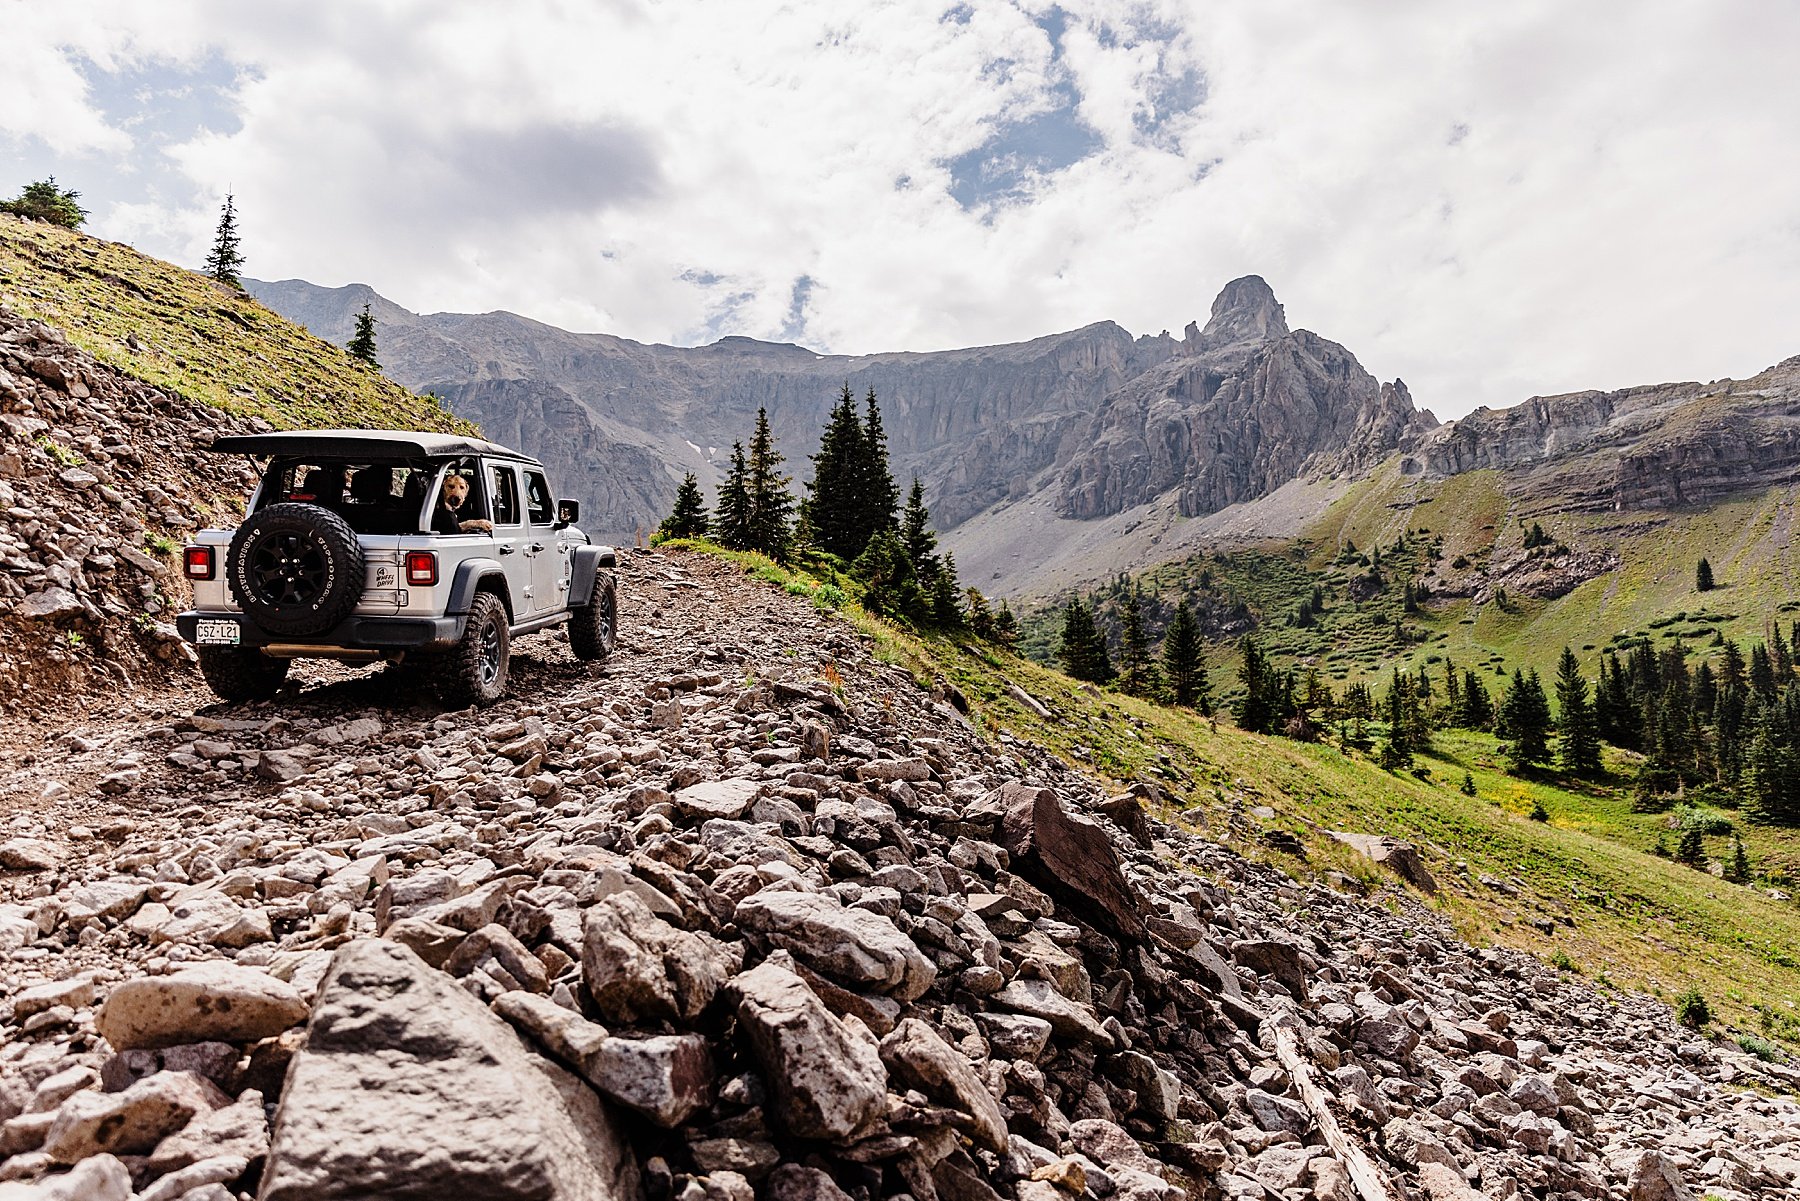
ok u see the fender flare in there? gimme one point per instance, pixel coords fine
(585, 569)
(467, 582)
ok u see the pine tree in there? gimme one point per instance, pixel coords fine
(1255, 709)
(890, 588)
(44, 201)
(1737, 868)
(224, 261)
(1082, 648)
(915, 532)
(946, 596)
(1577, 745)
(1468, 784)
(362, 344)
(732, 526)
(1703, 577)
(1525, 719)
(688, 518)
(878, 497)
(1135, 664)
(1006, 626)
(1691, 850)
(771, 505)
(835, 506)
(1182, 665)
(1477, 711)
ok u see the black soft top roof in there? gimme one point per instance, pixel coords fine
(363, 445)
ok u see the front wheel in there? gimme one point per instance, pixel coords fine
(474, 671)
(241, 674)
(594, 628)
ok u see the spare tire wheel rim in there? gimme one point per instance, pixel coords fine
(490, 651)
(288, 569)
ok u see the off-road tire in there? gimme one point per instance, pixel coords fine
(295, 569)
(474, 671)
(594, 628)
(241, 674)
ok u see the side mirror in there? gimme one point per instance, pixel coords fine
(568, 512)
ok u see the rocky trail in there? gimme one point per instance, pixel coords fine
(744, 912)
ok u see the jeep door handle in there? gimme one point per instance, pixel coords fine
(537, 546)
(507, 550)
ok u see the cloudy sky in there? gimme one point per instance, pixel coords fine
(1488, 201)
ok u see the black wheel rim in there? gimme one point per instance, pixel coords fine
(609, 618)
(488, 659)
(288, 569)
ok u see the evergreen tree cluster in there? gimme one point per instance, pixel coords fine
(1726, 730)
(45, 201)
(851, 513)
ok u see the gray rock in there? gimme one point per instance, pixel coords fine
(102, 1178)
(793, 1182)
(51, 604)
(1015, 1035)
(212, 1001)
(406, 1086)
(858, 947)
(727, 799)
(666, 1077)
(1654, 1178)
(826, 1081)
(240, 1129)
(635, 965)
(1039, 999)
(919, 1058)
(132, 1122)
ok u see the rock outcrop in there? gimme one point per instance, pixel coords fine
(1647, 448)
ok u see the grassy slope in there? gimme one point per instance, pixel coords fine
(1749, 542)
(184, 332)
(1614, 910)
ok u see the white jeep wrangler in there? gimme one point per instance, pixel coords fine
(430, 551)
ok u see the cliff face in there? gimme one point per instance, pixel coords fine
(1092, 421)
(1248, 406)
(1656, 447)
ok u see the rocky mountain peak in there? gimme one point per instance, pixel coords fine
(1244, 311)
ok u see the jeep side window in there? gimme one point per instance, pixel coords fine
(506, 496)
(537, 499)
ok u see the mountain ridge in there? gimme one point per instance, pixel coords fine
(1053, 416)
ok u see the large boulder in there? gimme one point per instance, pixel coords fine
(1396, 853)
(407, 1087)
(855, 946)
(1070, 857)
(827, 1081)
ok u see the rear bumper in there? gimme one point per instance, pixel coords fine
(378, 634)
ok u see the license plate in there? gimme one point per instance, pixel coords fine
(217, 633)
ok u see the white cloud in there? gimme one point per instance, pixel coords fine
(1487, 201)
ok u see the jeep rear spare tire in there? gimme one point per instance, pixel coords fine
(295, 569)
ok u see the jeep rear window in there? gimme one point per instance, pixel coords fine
(372, 498)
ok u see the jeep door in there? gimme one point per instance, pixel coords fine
(512, 538)
(550, 555)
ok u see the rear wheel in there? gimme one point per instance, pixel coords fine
(594, 628)
(239, 674)
(474, 671)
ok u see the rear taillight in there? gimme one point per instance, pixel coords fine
(421, 568)
(197, 562)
